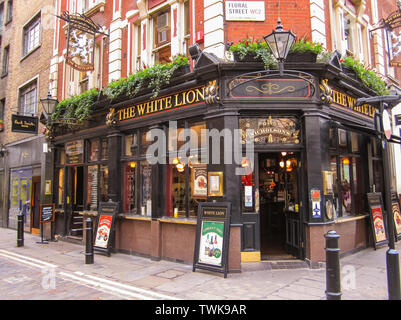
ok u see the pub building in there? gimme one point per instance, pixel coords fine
(315, 158)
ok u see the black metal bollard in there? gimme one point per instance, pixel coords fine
(393, 274)
(20, 230)
(89, 242)
(333, 280)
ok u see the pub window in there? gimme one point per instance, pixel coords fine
(104, 174)
(144, 142)
(146, 190)
(104, 154)
(92, 188)
(131, 145)
(93, 146)
(349, 181)
(186, 176)
(130, 187)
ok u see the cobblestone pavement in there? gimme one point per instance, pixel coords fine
(57, 271)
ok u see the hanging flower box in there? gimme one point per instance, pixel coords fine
(301, 57)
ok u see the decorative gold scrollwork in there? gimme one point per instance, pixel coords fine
(211, 92)
(325, 92)
(111, 118)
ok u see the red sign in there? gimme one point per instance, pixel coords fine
(103, 231)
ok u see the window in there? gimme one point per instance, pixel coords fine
(6, 54)
(32, 35)
(1, 16)
(2, 107)
(348, 167)
(28, 99)
(92, 191)
(186, 176)
(146, 190)
(9, 16)
(130, 187)
(349, 32)
(93, 146)
(162, 37)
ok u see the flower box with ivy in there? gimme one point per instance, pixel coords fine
(369, 78)
(304, 51)
(253, 51)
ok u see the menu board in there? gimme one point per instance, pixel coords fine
(395, 206)
(376, 218)
(212, 237)
(47, 213)
(104, 229)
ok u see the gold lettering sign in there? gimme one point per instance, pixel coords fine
(349, 103)
(177, 100)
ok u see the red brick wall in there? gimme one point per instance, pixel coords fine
(295, 16)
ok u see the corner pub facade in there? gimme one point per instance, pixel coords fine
(315, 158)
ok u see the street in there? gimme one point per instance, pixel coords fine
(56, 271)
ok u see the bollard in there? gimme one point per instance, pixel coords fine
(333, 280)
(20, 230)
(393, 274)
(89, 242)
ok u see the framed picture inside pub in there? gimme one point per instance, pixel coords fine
(215, 184)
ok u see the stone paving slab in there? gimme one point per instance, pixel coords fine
(258, 281)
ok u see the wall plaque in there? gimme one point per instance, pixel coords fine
(269, 88)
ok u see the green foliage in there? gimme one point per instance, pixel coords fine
(80, 107)
(257, 49)
(156, 77)
(77, 107)
(302, 45)
(368, 77)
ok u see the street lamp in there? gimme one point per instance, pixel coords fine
(49, 104)
(280, 42)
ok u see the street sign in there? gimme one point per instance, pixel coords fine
(376, 218)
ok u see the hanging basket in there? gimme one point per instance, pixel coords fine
(249, 57)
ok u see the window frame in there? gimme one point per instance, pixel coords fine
(5, 61)
(23, 91)
(34, 25)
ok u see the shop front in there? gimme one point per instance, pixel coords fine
(292, 155)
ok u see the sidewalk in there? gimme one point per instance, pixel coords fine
(363, 274)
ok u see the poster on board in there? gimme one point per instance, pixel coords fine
(395, 206)
(212, 237)
(104, 228)
(377, 219)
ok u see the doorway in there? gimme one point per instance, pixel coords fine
(74, 200)
(280, 235)
(35, 209)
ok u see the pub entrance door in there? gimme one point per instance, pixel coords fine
(74, 200)
(280, 213)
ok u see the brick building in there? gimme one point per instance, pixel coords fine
(276, 213)
(26, 43)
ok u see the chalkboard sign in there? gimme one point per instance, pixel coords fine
(376, 218)
(395, 206)
(212, 237)
(47, 213)
(104, 231)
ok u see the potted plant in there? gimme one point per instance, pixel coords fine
(369, 78)
(304, 51)
(248, 50)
